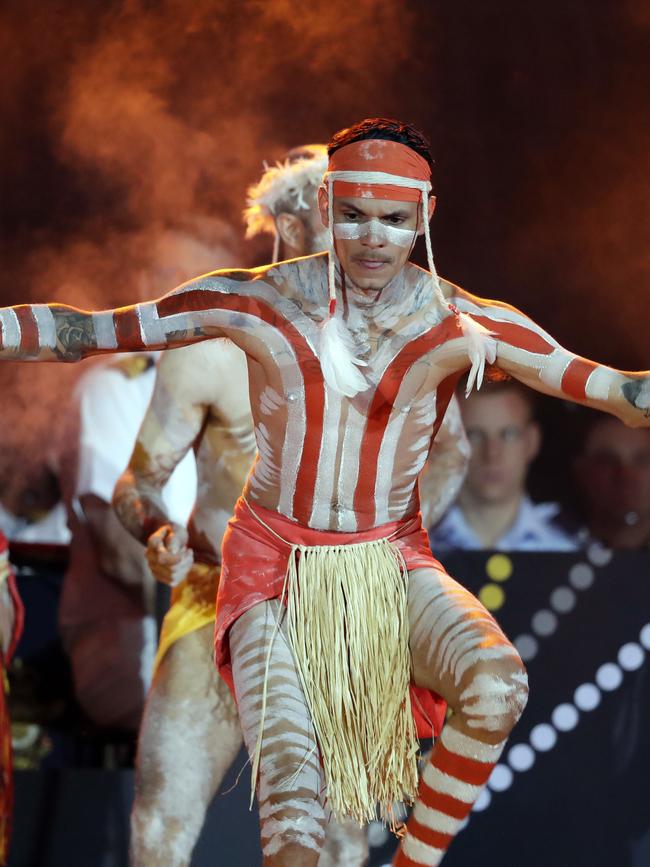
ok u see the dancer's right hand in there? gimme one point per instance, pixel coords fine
(168, 556)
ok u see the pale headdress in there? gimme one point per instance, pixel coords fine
(286, 187)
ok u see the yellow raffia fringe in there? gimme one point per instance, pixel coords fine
(347, 625)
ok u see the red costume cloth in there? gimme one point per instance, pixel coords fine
(6, 761)
(254, 566)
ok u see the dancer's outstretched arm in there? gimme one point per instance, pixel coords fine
(202, 308)
(531, 355)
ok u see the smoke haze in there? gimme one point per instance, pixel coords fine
(130, 128)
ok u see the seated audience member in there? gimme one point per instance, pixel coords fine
(612, 474)
(493, 509)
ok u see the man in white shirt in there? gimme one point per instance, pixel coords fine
(106, 613)
(493, 509)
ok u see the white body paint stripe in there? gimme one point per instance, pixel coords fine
(376, 229)
(321, 508)
(436, 820)
(45, 325)
(420, 852)
(307, 841)
(553, 367)
(462, 745)
(599, 383)
(11, 332)
(441, 782)
(350, 467)
(104, 327)
(151, 330)
(384, 482)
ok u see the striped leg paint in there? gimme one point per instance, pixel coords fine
(459, 768)
(292, 817)
(459, 650)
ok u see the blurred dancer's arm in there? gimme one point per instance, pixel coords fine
(444, 471)
(171, 425)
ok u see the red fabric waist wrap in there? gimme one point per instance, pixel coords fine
(254, 565)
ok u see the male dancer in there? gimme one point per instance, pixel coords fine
(175, 785)
(329, 600)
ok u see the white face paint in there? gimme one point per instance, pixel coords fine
(375, 229)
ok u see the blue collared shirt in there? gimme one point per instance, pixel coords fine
(533, 530)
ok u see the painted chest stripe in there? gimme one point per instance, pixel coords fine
(324, 488)
(384, 401)
(385, 481)
(314, 388)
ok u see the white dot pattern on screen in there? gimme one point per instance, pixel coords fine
(563, 600)
(483, 801)
(599, 555)
(500, 778)
(543, 737)
(521, 757)
(544, 622)
(609, 676)
(587, 697)
(581, 576)
(527, 646)
(565, 717)
(631, 656)
(644, 636)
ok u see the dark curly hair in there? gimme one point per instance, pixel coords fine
(383, 128)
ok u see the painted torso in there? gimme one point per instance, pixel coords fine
(328, 461)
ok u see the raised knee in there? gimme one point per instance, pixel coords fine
(495, 695)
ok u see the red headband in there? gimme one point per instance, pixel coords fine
(379, 155)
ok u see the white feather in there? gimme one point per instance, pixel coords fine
(339, 362)
(481, 347)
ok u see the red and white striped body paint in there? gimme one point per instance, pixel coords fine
(351, 463)
(325, 460)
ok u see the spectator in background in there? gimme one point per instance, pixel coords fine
(30, 503)
(107, 610)
(493, 509)
(612, 473)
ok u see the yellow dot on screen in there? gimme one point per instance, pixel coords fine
(492, 596)
(499, 567)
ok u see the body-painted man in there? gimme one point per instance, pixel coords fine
(330, 604)
(177, 775)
